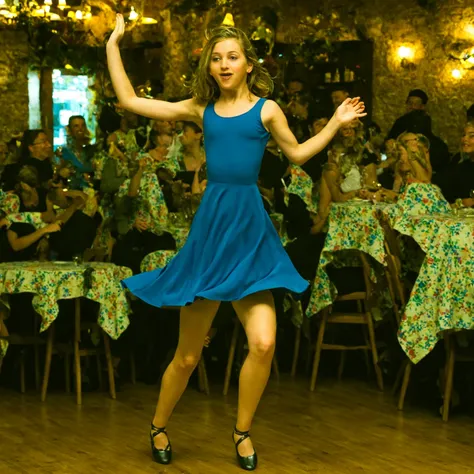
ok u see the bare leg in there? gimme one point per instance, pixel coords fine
(257, 314)
(194, 325)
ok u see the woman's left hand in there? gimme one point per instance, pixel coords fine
(349, 110)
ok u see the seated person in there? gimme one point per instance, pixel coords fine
(80, 223)
(341, 177)
(135, 234)
(314, 166)
(33, 198)
(413, 165)
(36, 151)
(79, 153)
(9, 165)
(459, 183)
(25, 242)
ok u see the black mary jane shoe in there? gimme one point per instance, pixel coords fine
(161, 456)
(248, 463)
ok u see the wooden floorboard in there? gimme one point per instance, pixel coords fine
(342, 428)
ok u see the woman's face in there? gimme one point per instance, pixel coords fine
(318, 125)
(467, 141)
(348, 131)
(410, 142)
(41, 147)
(189, 136)
(403, 162)
(228, 65)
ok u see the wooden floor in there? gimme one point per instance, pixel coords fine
(341, 428)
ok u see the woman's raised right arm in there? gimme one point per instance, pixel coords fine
(187, 110)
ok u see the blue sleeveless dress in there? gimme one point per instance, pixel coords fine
(233, 249)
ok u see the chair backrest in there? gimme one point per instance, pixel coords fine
(369, 285)
(396, 287)
(95, 255)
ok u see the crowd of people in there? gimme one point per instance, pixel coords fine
(123, 193)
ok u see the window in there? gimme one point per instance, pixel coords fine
(72, 95)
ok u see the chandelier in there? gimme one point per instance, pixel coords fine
(13, 12)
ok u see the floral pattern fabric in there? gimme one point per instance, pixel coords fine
(150, 204)
(419, 199)
(443, 296)
(33, 218)
(352, 226)
(52, 281)
(9, 203)
(301, 185)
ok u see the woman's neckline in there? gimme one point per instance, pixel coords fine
(239, 115)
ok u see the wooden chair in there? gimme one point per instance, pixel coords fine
(79, 352)
(33, 340)
(453, 354)
(237, 343)
(363, 317)
(399, 295)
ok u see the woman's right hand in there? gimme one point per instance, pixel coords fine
(51, 228)
(118, 32)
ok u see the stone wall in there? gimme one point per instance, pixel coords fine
(13, 83)
(436, 34)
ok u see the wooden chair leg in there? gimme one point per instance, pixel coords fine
(296, 351)
(47, 362)
(275, 367)
(67, 372)
(406, 380)
(203, 380)
(133, 368)
(22, 372)
(110, 366)
(449, 372)
(230, 360)
(366, 352)
(342, 362)
(398, 379)
(375, 357)
(37, 367)
(99, 372)
(77, 354)
(317, 353)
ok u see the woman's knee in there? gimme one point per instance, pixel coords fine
(262, 347)
(187, 362)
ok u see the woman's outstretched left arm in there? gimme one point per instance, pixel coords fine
(299, 153)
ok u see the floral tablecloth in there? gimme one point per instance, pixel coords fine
(52, 281)
(352, 225)
(443, 296)
(416, 200)
(33, 218)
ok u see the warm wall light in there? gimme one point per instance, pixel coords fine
(133, 14)
(406, 55)
(228, 20)
(79, 15)
(469, 29)
(405, 52)
(456, 73)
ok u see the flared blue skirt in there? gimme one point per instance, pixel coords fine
(233, 250)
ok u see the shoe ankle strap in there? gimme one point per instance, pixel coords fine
(241, 433)
(156, 430)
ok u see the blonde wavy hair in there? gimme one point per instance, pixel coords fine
(204, 87)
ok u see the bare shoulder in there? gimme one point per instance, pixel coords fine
(270, 111)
